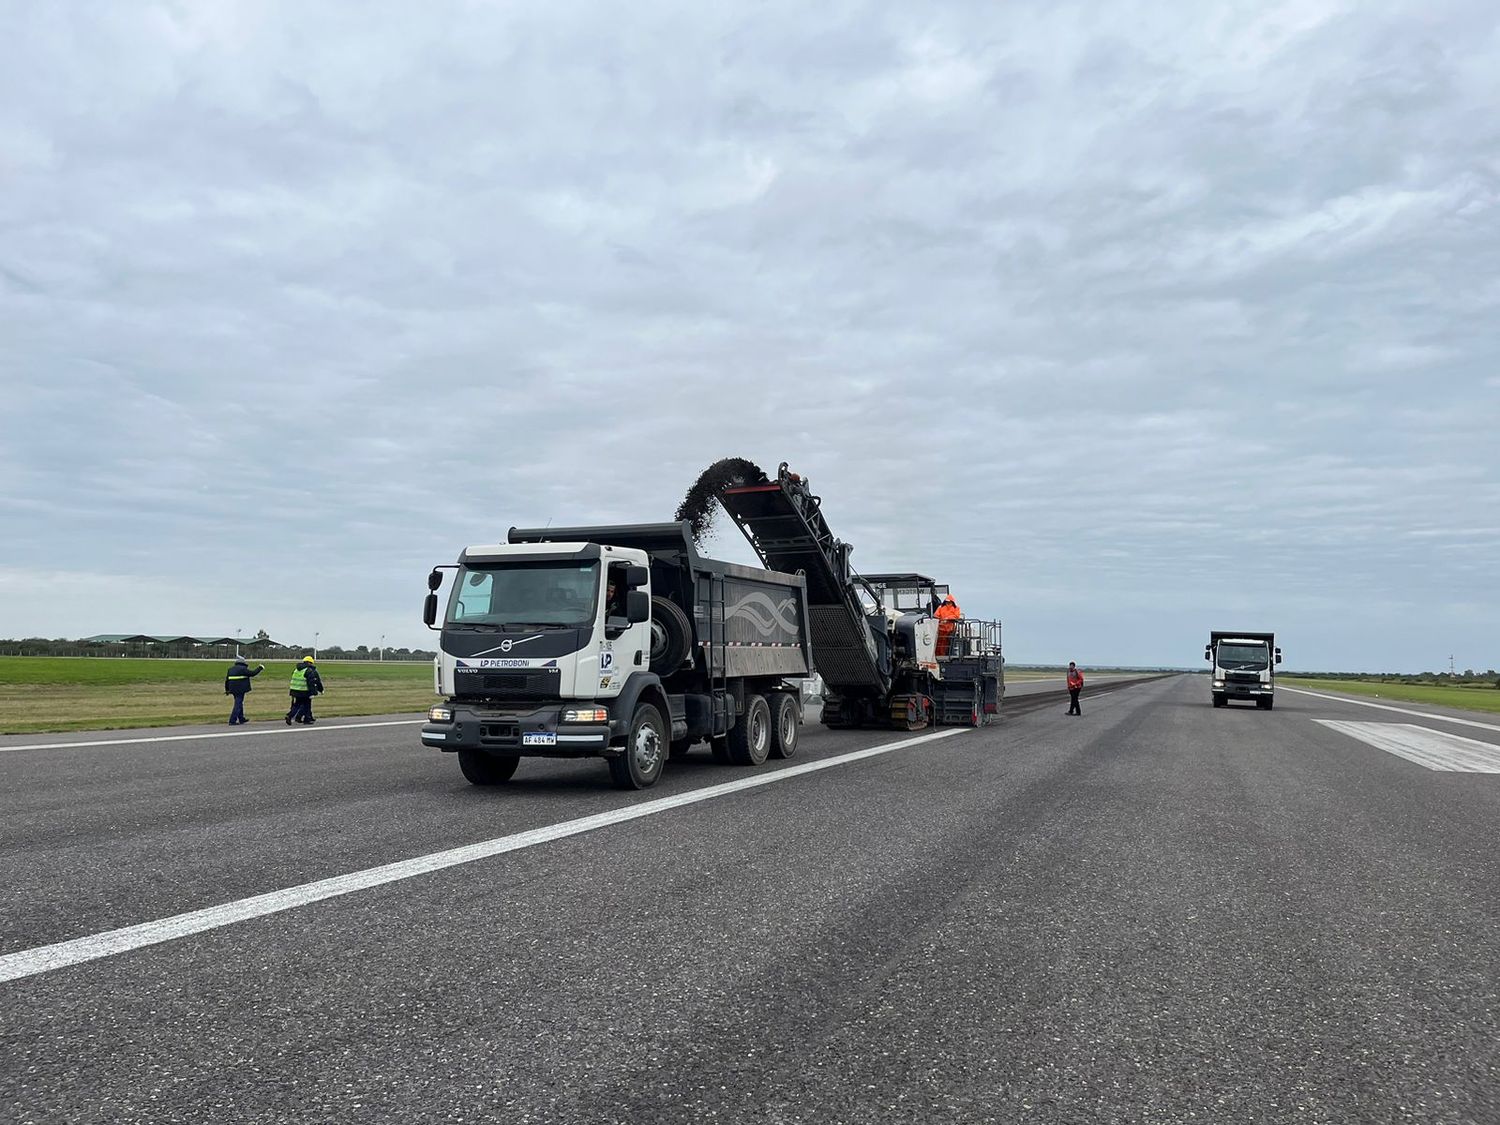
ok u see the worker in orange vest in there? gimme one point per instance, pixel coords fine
(1075, 685)
(947, 617)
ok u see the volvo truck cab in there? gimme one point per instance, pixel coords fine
(1244, 667)
(538, 640)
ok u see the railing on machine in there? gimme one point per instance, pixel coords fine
(973, 637)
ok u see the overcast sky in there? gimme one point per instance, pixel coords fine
(1130, 320)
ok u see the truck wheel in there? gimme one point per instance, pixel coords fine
(786, 725)
(487, 769)
(671, 636)
(750, 740)
(645, 752)
(1264, 704)
(1219, 701)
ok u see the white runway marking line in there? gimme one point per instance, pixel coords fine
(46, 958)
(1399, 710)
(213, 734)
(1434, 749)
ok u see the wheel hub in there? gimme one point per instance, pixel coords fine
(647, 749)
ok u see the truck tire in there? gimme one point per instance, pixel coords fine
(750, 740)
(786, 725)
(1220, 701)
(671, 636)
(639, 765)
(1265, 704)
(487, 769)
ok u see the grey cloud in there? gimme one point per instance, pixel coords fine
(335, 290)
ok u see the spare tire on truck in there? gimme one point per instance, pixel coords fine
(671, 636)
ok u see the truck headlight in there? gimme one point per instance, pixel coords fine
(1218, 683)
(440, 715)
(585, 715)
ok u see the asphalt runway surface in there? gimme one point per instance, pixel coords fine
(1158, 912)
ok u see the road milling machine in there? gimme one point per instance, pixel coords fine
(875, 639)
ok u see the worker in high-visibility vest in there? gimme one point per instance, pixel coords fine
(1075, 685)
(947, 617)
(306, 683)
(237, 684)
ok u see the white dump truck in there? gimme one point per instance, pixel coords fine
(1244, 667)
(616, 642)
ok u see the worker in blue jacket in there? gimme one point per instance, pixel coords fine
(306, 683)
(237, 683)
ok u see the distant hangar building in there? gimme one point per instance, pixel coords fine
(176, 641)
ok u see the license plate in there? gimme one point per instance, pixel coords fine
(538, 738)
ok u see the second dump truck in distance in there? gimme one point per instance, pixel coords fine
(1244, 667)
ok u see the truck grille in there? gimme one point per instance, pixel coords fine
(510, 685)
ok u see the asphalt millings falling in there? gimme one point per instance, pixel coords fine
(701, 503)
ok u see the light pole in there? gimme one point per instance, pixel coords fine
(315, 644)
(238, 629)
(382, 648)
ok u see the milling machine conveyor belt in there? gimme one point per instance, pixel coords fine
(783, 522)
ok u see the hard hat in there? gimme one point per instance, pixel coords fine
(308, 660)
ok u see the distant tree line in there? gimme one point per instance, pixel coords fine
(1467, 678)
(261, 648)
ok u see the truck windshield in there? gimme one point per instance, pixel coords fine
(1243, 658)
(532, 593)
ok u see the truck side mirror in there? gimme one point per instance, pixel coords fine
(429, 610)
(1278, 656)
(636, 577)
(1208, 652)
(638, 606)
(434, 580)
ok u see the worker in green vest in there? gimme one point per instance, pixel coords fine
(306, 683)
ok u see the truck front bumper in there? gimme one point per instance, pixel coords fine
(530, 733)
(1243, 691)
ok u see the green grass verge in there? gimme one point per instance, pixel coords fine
(51, 693)
(1478, 697)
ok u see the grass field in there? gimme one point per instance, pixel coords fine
(1476, 698)
(49, 693)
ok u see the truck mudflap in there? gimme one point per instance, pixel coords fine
(532, 733)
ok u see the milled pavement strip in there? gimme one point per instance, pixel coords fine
(211, 734)
(46, 958)
(1398, 710)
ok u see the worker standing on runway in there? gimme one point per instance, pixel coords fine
(306, 683)
(1075, 685)
(237, 684)
(947, 618)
